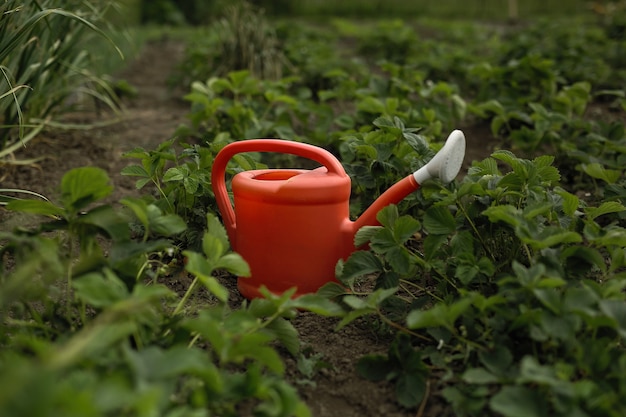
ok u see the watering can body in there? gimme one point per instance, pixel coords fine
(292, 226)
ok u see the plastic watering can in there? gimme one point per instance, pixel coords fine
(293, 225)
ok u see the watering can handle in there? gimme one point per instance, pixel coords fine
(218, 171)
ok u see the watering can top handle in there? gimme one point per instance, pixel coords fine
(304, 150)
(218, 171)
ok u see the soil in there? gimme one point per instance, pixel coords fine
(148, 120)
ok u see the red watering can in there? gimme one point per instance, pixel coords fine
(293, 225)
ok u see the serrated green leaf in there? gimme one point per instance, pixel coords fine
(173, 174)
(331, 290)
(286, 333)
(570, 202)
(142, 183)
(365, 234)
(388, 216)
(358, 264)
(217, 229)
(383, 241)
(235, 264)
(439, 221)
(405, 228)
(504, 213)
(607, 207)
(399, 259)
(598, 171)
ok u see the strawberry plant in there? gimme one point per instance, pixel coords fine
(91, 331)
(514, 294)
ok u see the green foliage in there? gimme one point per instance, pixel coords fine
(509, 284)
(504, 291)
(90, 334)
(44, 61)
(183, 188)
(516, 287)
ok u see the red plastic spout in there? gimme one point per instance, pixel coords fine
(393, 195)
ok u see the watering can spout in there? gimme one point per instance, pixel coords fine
(445, 165)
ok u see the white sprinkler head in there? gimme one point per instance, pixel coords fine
(447, 163)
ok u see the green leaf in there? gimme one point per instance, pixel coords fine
(399, 260)
(383, 241)
(319, 303)
(217, 229)
(598, 171)
(388, 216)
(214, 287)
(286, 333)
(616, 310)
(108, 220)
(519, 401)
(497, 361)
(410, 388)
(266, 356)
(404, 228)
(439, 221)
(607, 207)
(374, 367)
(83, 186)
(174, 174)
(154, 363)
(332, 290)
(44, 208)
(479, 376)
(197, 264)
(235, 264)
(570, 202)
(168, 225)
(140, 208)
(504, 213)
(212, 247)
(100, 290)
(358, 264)
(433, 317)
(365, 234)
(552, 236)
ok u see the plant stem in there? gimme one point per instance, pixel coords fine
(401, 328)
(186, 296)
(475, 229)
(419, 287)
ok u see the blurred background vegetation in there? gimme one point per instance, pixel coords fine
(201, 11)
